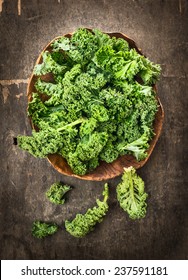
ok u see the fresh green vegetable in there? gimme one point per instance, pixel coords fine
(131, 195)
(82, 224)
(56, 193)
(49, 65)
(94, 108)
(41, 229)
(139, 146)
(48, 140)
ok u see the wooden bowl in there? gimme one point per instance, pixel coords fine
(105, 170)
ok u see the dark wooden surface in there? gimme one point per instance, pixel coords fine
(160, 30)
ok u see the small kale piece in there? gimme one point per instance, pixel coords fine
(56, 193)
(102, 38)
(99, 112)
(88, 127)
(78, 166)
(109, 153)
(62, 43)
(150, 73)
(41, 229)
(82, 224)
(139, 146)
(49, 65)
(131, 195)
(87, 152)
(85, 46)
(52, 90)
(41, 113)
(91, 145)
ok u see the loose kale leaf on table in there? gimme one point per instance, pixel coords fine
(41, 229)
(131, 194)
(56, 193)
(82, 224)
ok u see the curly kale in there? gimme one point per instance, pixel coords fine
(41, 229)
(56, 193)
(52, 90)
(139, 146)
(82, 224)
(41, 143)
(62, 43)
(46, 141)
(109, 152)
(91, 145)
(93, 108)
(131, 195)
(49, 65)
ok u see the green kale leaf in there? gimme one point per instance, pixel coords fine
(131, 194)
(82, 224)
(49, 65)
(46, 141)
(56, 193)
(41, 229)
(139, 146)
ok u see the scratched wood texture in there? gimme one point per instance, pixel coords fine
(160, 30)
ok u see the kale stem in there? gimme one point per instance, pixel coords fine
(71, 124)
(105, 193)
(131, 188)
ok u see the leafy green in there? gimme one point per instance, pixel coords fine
(52, 90)
(49, 65)
(93, 108)
(62, 43)
(150, 72)
(91, 145)
(41, 229)
(82, 224)
(131, 195)
(126, 65)
(46, 141)
(56, 193)
(139, 146)
(41, 143)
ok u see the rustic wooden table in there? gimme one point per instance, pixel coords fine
(160, 30)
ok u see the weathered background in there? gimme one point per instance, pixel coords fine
(160, 29)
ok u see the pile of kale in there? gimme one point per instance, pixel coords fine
(99, 105)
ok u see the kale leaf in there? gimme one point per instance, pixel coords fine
(41, 229)
(49, 65)
(56, 193)
(46, 141)
(82, 224)
(131, 194)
